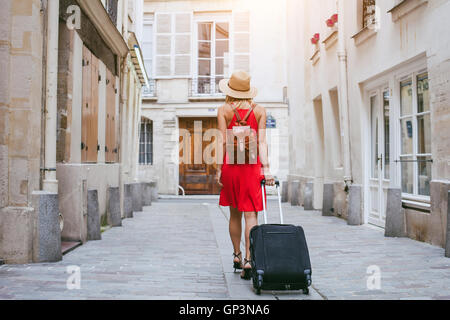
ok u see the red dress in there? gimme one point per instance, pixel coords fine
(242, 182)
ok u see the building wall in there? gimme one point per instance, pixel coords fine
(20, 124)
(25, 115)
(267, 68)
(397, 48)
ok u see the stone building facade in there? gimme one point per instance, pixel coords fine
(72, 75)
(369, 137)
(189, 47)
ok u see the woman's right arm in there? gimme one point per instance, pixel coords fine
(264, 148)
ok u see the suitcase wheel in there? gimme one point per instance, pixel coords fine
(258, 291)
(306, 291)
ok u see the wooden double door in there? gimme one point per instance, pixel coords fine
(197, 174)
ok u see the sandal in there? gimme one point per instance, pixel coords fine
(237, 265)
(247, 272)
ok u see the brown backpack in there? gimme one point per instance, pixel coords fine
(242, 140)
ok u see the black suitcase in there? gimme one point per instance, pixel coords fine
(279, 253)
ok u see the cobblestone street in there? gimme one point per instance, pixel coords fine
(180, 249)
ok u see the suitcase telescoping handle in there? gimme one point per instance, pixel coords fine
(277, 184)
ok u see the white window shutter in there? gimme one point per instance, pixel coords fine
(163, 66)
(241, 40)
(242, 43)
(242, 21)
(183, 44)
(173, 44)
(182, 65)
(163, 23)
(242, 62)
(183, 23)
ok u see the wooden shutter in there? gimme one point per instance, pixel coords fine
(93, 121)
(111, 147)
(86, 102)
(242, 40)
(89, 131)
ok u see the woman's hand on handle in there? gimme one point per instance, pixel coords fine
(270, 180)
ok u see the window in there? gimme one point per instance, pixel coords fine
(368, 13)
(415, 135)
(146, 142)
(213, 50)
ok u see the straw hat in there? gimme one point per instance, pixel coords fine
(238, 86)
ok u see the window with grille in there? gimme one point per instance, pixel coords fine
(146, 142)
(368, 14)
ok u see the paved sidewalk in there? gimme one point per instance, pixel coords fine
(180, 249)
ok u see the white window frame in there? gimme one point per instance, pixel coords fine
(390, 79)
(414, 115)
(214, 20)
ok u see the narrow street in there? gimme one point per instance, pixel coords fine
(179, 249)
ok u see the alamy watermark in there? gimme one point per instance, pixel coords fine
(74, 19)
(373, 278)
(74, 280)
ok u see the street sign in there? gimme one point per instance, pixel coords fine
(271, 122)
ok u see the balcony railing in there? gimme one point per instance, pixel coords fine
(205, 87)
(150, 91)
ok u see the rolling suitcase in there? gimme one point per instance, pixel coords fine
(279, 253)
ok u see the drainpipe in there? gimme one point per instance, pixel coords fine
(343, 95)
(50, 183)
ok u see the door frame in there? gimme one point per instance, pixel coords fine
(179, 117)
(382, 183)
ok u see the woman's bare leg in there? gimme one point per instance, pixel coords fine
(251, 220)
(236, 230)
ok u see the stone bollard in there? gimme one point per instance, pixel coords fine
(127, 201)
(47, 239)
(354, 206)
(146, 194)
(295, 190)
(114, 206)
(447, 243)
(328, 200)
(154, 190)
(284, 191)
(395, 217)
(136, 196)
(93, 217)
(309, 196)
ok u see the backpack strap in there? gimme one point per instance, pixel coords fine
(250, 112)
(238, 117)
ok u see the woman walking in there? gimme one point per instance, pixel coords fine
(241, 182)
